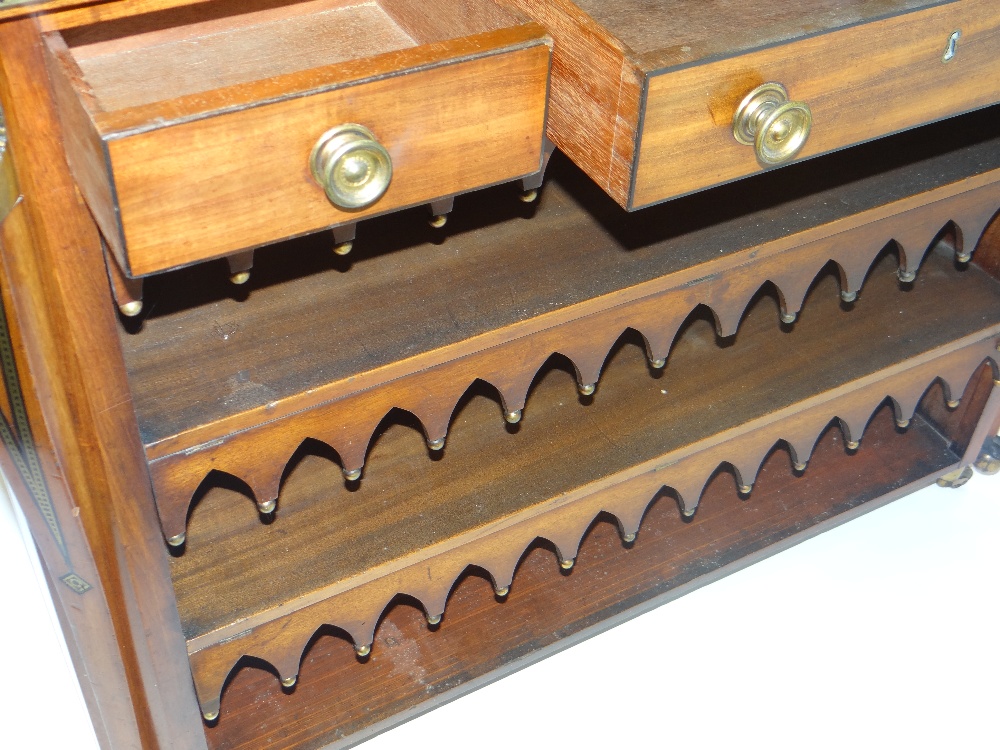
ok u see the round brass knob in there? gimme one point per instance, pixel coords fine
(776, 127)
(352, 167)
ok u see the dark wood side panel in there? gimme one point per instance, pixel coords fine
(594, 95)
(83, 420)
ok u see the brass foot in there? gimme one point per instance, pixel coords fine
(988, 461)
(436, 445)
(963, 257)
(289, 681)
(789, 318)
(211, 715)
(131, 309)
(658, 364)
(343, 248)
(688, 513)
(746, 489)
(955, 479)
(799, 467)
(853, 445)
(512, 417)
(240, 278)
(529, 196)
(848, 296)
(628, 538)
(587, 390)
(902, 423)
(177, 541)
(953, 404)
(438, 221)
(363, 651)
(907, 277)
(433, 620)
(502, 591)
(352, 475)
(267, 507)
(566, 564)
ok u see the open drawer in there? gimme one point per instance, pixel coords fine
(198, 132)
(645, 96)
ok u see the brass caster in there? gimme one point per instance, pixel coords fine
(853, 445)
(566, 564)
(799, 467)
(848, 296)
(658, 364)
(529, 196)
(343, 248)
(988, 461)
(512, 417)
(436, 445)
(352, 475)
(902, 423)
(688, 513)
(240, 278)
(788, 318)
(963, 257)
(746, 489)
(953, 404)
(502, 591)
(131, 309)
(587, 390)
(363, 651)
(628, 538)
(433, 620)
(267, 507)
(211, 715)
(289, 681)
(177, 541)
(438, 221)
(907, 277)
(955, 479)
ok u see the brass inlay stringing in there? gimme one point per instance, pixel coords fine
(9, 192)
(17, 437)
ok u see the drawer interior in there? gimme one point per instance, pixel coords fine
(166, 55)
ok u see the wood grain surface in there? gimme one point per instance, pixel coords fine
(411, 669)
(413, 525)
(194, 425)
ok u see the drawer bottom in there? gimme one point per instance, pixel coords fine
(342, 700)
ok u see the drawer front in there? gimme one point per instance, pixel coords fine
(860, 83)
(214, 186)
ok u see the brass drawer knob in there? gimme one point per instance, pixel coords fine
(776, 127)
(352, 167)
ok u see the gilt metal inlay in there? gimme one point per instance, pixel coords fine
(17, 437)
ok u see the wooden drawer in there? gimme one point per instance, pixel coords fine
(643, 99)
(190, 131)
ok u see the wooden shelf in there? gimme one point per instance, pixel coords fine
(341, 700)
(413, 525)
(324, 351)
